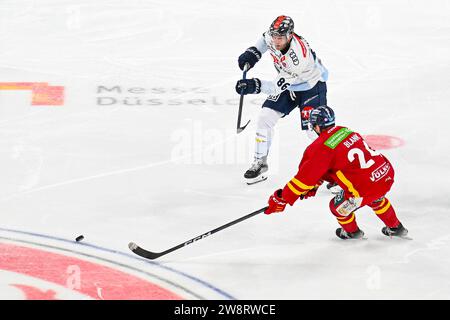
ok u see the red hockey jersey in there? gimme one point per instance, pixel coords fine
(343, 156)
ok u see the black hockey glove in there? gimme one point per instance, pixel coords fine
(248, 86)
(250, 56)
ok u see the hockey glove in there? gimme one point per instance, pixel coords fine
(251, 56)
(312, 192)
(276, 203)
(248, 86)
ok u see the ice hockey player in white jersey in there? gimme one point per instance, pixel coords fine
(300, 83)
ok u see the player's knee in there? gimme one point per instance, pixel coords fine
(268, 118)
(263, 124)
(341, 207)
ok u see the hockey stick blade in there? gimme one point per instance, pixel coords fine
(240, 129)
(142, 252)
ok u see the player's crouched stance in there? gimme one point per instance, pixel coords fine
(342, 156)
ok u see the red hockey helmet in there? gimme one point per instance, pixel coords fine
(282, 26)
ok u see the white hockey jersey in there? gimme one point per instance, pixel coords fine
(299, 69)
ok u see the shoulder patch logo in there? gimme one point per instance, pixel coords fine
(333, 141)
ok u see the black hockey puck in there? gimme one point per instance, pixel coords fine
(79, 238)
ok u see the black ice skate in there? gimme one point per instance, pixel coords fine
(400, 231)
(358, 234)
(257, 171)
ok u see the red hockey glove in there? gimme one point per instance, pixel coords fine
(276, 203)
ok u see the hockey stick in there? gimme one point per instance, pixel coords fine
(153, 255)
(241, 102)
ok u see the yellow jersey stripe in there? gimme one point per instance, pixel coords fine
(301, 184)
(381, 211)
(348, 221)
(290, 186)
(381, 204)
(347, 183)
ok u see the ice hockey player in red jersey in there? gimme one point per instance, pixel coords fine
(341, 155)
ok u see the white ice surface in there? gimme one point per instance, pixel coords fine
(162, 174)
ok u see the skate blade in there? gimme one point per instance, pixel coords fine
(256, 180)
(401, 237)
(357, 239)
(354, 239)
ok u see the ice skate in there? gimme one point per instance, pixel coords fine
(358, 234)
(399, 231)
(257, 172)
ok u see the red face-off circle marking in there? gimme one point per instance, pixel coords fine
(96, 281)
(383, 142)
